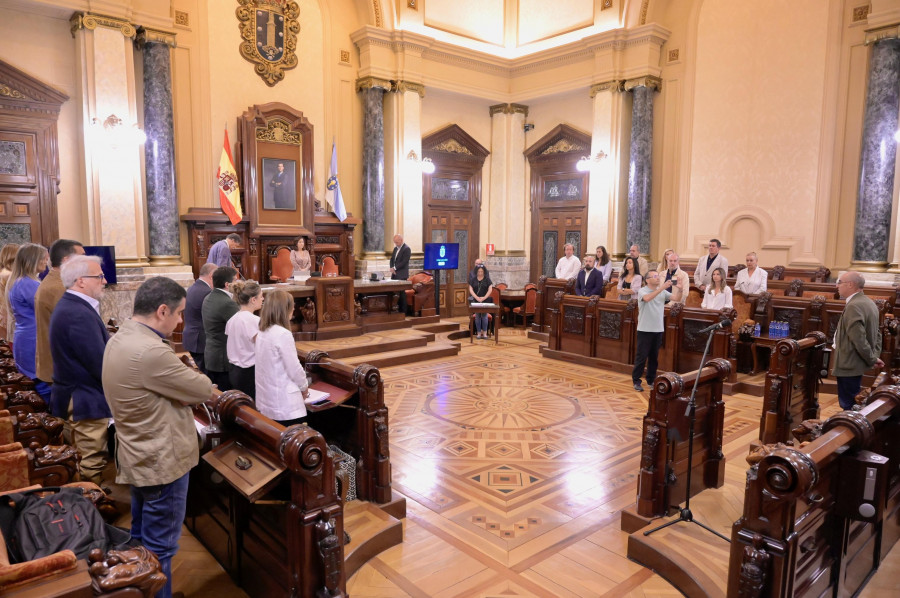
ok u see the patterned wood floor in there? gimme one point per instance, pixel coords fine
(515, 468)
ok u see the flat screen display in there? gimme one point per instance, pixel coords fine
(108, 254)
(441, 256)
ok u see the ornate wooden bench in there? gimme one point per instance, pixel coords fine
(818, 519)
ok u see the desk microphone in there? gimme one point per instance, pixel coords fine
(724, 323)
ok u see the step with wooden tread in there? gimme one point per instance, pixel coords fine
(439, 327)
(384, 346)
(372, 531)
(404, 356)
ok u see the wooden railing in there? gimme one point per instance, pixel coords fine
(818, 519)
(264, 504)
(792, 386)
(663, 476)
(547, 299)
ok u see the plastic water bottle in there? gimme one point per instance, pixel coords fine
(771, 329)
(756, 330)
(780, 330)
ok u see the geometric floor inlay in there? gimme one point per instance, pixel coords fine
(506, 479)
(502, 407)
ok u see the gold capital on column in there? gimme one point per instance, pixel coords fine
(615, 85)
(509, 109)
(90, 21)
(373, 82)
(404, 86)
(889, 32)
(650, 81)
(147, 35)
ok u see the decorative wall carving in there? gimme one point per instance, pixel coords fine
(573, 320)
(452, 146)
(610, 325)
(563, 146)
(278, 131)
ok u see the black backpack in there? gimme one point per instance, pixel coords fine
(36, 526)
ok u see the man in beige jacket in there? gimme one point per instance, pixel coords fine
(681, 284)
(150, 391)
(48, 295)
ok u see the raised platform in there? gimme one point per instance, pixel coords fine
(390, 347)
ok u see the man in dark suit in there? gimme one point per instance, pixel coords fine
(857, 338)
(77, 339)
(217, 308)
(400, 267)
(590, 280)
(193, 337)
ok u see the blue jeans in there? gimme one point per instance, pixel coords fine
(848, 388)
(157, 513)
(481, 323)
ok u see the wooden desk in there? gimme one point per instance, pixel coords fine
(762, 342)
(338, 396)
(511, 298)
(485, 308)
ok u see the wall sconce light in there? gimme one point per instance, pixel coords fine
(897, 136)
(426, 165)
(585, 163)
(118, 133)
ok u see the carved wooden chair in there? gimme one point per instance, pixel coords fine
(421, 295)
(281, 268)
(329, 268)
(527, 309)
(30, 428)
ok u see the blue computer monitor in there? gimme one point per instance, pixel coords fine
(441, 256)
(108, 254)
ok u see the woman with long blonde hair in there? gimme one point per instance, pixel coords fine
(280, 379)
(7, 257)
(31, 260)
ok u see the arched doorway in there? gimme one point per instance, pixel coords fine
(452, 206)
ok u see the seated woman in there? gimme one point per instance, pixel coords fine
(31, 260)
(630, 280)
(241, 330)
(752, 280)
(280, 379)
(717, 295)
(300, 257)
(480, 288)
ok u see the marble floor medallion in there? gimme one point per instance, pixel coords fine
(502, 407)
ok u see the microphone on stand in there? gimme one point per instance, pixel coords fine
(718, 325)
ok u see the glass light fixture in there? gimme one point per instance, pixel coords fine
(427, 166)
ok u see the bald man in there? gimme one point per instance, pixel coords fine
(857, 339)
(400, 267)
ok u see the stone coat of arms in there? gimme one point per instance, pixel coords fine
(269, 30)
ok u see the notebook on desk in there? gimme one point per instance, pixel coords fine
(317, 398)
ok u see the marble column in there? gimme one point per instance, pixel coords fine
(372, 91)
(606, 200)
(159, 149)
(640, 171)
(878, 158)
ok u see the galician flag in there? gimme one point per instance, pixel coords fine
(333, 187)
(229, 192)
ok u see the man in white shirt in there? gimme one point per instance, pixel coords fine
(708, 263)
(568, 265)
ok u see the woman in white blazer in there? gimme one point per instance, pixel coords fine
(280, 379)
(717, 296)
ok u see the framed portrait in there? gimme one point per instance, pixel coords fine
(277, 170)
(280, 184)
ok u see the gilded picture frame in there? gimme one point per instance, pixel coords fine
(269, 29)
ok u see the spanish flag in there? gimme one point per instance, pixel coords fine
(229, 192)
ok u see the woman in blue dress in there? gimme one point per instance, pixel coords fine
(31, 260)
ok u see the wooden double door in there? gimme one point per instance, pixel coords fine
(451, 199)
(454, 226)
